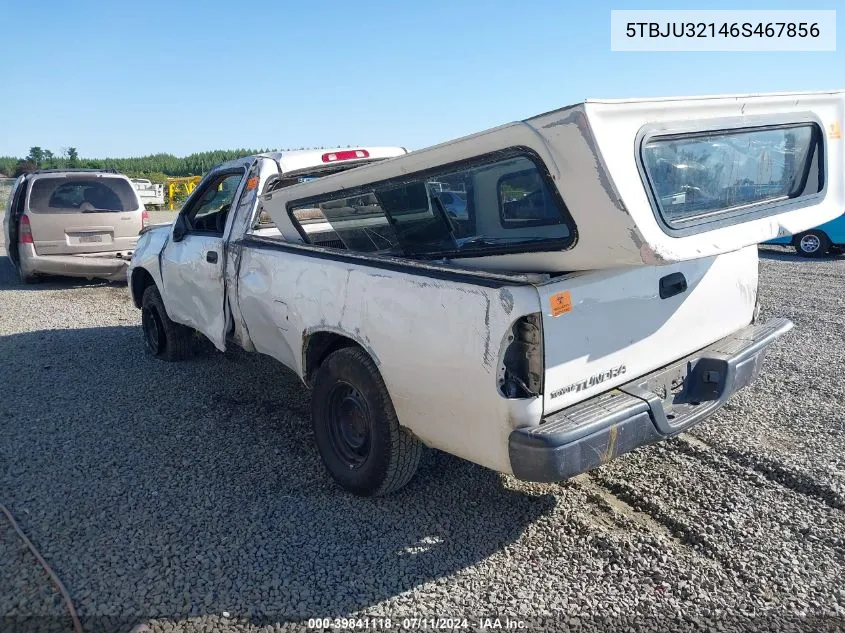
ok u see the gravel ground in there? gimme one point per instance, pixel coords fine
(190, 497)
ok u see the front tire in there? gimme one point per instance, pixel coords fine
(163, 338)
(812, 244)
(356, 429)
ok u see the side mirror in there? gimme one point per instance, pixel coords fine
(179, 229)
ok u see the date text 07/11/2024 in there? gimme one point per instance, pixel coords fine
(416, 624)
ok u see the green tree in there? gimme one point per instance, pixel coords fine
(25, 167)
(48, 158)
(36, 155)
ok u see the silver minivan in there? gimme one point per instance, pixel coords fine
(78, 223)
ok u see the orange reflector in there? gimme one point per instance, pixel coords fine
(252, 183)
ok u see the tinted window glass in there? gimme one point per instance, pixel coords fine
(502, 205)
(356, 223)
(695, 177)
(525, 199)
(82, 195)
(215, 201)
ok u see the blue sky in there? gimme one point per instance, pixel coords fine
(125, 79)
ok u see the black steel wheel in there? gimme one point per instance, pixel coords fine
(357, 432)
(163, 338)
(153, 329)
(350, 426)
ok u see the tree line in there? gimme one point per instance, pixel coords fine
(155, 167)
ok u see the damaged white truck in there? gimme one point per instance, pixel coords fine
(587, 286)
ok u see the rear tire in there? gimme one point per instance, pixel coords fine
(812, 244)
(23, 277)
(163, 338)
(356, 429)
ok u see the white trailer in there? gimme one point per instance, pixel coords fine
(151, 195)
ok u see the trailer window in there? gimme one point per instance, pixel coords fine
(698, 178)
(498, 204)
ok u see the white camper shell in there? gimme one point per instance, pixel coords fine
(649, 181)
(538, 298)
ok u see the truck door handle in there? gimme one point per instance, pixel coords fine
(672, 285)
(211, 257)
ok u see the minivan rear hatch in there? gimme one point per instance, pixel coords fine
(83, 213)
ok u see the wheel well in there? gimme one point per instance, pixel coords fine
(141, 278)
(317, 348)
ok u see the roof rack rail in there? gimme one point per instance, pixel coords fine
(110, 170)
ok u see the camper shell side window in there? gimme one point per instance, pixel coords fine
(498, 203)
(700, 180)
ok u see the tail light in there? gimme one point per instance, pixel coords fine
(345, 155)
(145, 218)
(521, 366)
(24, 231)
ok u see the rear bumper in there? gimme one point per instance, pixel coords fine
(654, 407)
(110, 265)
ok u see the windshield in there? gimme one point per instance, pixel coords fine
(497, 206)
(696, 176)
(81, 194)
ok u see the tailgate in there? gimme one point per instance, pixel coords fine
(84, 213)
(605, 328)
(69, 234)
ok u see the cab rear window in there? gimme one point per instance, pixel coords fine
(496, 204)
(81, 195)
(704, 177)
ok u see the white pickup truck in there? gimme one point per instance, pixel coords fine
(150, 194)
(597, 291)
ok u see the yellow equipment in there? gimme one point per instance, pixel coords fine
(186, 184)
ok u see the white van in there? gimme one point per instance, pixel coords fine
(599, 291)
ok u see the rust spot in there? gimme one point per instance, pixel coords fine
(610, 452)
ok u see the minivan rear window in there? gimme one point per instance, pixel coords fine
(81, 195)
(702, 177)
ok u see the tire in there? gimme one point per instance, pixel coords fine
(812, 244)
(356, 429)
(163, 338)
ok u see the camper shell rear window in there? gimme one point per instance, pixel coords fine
(725, 176)
(495, 204)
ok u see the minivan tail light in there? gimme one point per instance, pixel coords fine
(332, 157)
(24, 231)
(145, 218)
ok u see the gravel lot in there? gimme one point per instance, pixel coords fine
(190, 497)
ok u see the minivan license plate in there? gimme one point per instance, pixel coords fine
(90, 238)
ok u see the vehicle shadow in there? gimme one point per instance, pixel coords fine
(172, 490)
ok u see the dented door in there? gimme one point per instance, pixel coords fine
(194, 259)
